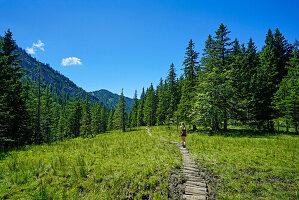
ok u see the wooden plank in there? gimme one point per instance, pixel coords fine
(194, 197)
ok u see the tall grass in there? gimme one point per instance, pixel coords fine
(113, 165)
(245, 166)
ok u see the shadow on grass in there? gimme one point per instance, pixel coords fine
(239, 133)
(6, 152)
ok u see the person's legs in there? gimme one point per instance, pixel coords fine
(183, 140)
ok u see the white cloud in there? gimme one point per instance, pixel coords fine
(30, 50)
(71, 61)
(39, 45)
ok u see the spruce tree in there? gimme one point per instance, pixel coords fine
(61, 127)
(286, 99)
(149, 109)
(75, 117)
(38, 137)
(13, 122)
(222, 49)
(95, 124)
(85, 129)
(265, 85)
(282, 52)
(140, 114)
(206, 104)
(172, 93)
(110, 125)
(119, 118)
(162, 103)
(188, 88)
(103, 125)
(133, 113)
(47, 116)
(251, 64)
(238, 80)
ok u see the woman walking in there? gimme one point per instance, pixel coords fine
(183, 133)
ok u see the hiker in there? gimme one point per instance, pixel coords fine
(183, 133)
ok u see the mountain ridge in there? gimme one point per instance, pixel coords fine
(110, 99)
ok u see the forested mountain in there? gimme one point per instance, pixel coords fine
(110, 99)
(61, 86)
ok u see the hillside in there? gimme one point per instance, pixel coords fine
(110, 99)
(61, 85)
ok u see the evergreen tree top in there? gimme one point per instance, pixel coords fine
(221, 34)
(236, 47)
(142, 96)
(171, 78)
(269, 38)
(135, 96)
(7, 45)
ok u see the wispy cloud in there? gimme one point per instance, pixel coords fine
(39, 45)
(30, 50)
(71, 61)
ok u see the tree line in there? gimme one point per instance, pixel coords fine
(232, 83)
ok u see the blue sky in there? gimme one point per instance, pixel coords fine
(129, 44)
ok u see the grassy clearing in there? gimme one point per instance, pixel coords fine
(245, 167)
(128, 165)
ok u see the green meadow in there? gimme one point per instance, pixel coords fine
(239, 165)
(113, 165)
(132, 165)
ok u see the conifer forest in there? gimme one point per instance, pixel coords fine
(87, 149)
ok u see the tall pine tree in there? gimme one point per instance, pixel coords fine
(133, 112)
(188, 88)
(222, 49)
(119, 118)
(286, 99)
(13, 122)
(110, 125)
(162, 103)
(140, 114)
(149, 109)
(85, 129)
(172, 93)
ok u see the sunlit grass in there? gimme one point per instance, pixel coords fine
(113, 165)
(244, 166)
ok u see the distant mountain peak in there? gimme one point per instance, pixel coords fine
(111, 99)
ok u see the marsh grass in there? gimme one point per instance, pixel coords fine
(113, 165)
(243, 165)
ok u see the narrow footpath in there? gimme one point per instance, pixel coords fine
(195, 187)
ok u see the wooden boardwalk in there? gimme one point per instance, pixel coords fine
(195, 187)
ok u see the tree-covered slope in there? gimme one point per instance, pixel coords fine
(60, 84)
(110, 99)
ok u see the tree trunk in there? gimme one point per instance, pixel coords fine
(225, 121)
(194, 127)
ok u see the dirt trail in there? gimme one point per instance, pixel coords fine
(195, 187)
